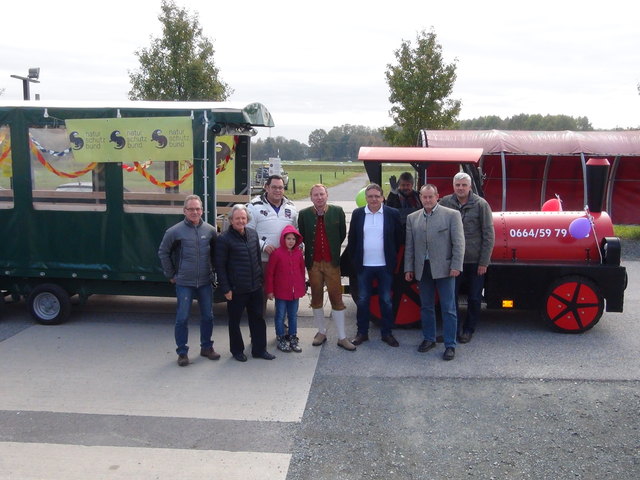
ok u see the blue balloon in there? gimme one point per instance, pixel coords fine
(580, 228)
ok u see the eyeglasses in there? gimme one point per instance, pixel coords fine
(274, 187)
(193, 209)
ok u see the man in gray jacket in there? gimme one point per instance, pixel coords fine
(433, 255)
(185, 254)
(479, 237)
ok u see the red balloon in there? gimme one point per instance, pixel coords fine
(553, 205)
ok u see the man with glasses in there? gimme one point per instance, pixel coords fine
(185, 255)
(269, 213)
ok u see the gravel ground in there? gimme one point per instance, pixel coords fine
(357, 428)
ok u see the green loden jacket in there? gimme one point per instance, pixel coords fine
(335, 225)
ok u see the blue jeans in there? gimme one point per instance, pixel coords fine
(185, 296)
(365, 291)
(290, 307)
(475, 284)
(447, 295)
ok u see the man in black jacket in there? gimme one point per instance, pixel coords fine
(240, 280)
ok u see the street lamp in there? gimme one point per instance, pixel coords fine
(34, 74)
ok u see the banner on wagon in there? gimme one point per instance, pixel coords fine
(158, 139)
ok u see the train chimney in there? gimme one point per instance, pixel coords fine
(597, 174)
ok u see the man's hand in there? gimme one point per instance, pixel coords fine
(228, 295)
(454, 273)
(268, 249)
(172, 280)
(408, 276)
(482, 269)
(393, 183)
(270, 296)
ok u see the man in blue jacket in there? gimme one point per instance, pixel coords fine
(185, 255)
(374, 241)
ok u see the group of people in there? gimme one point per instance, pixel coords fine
(269, 244)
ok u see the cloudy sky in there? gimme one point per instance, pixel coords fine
(322, 64)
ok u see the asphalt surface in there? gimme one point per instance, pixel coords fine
(517, 402)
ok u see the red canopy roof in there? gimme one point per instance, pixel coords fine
(537, 142)
(419, 154)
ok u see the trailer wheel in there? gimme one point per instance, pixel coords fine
(49, 304)
(573, 304)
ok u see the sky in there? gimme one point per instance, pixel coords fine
(322, 64)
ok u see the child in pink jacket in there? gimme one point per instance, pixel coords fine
(285, 282)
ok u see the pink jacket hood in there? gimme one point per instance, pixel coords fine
(290, 229)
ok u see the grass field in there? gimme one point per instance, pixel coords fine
(306, 174)
(631, 232)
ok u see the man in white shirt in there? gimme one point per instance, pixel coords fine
(374, 241)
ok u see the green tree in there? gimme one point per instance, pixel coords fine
(179, 65)
(317, 143)
(420, 85)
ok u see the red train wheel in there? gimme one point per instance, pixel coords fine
(573, 304)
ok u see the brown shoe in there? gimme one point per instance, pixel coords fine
(183, 360)
(346, 344)
(390, 340)
(360, 339)
(210, 353)
(319, 339)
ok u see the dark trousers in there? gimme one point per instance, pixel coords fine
(252, 301)
(475, 284)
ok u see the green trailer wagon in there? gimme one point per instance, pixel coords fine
(88, 190)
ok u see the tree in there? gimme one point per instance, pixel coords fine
(420, 85)
(317, 140)
(179, 65)
(525, 121)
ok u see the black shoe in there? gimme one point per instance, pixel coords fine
(241, 357)
(426, 345)
(465, 337)
(449, 353)
(360, 338)
(265, 355)
(390, 340)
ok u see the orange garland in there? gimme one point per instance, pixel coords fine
(50, 167)
(170, 183)
(140, 168)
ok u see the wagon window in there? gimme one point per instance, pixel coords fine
(6, 174)
(59, 182)
(157, 187)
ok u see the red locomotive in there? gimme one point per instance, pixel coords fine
(564, 263)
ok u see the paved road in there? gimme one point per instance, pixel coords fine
(101, 397)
